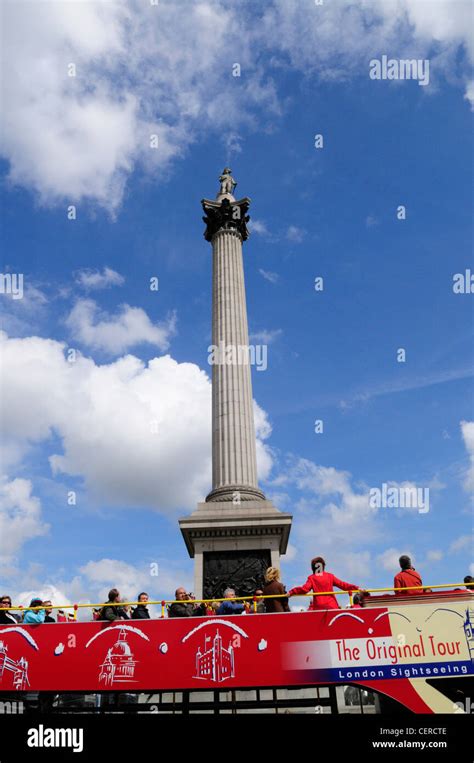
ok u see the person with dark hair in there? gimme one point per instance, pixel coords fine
(141, 611)
(48, 609)
(469, 582)
(321, 581)
(357, 601)
(406, 578)
(113, 613)
(33, 615)
(6, 617)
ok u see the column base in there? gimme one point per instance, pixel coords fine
(236, 494)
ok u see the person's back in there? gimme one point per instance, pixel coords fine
(273, 588)
(321, 581)
(325, 581)
(407, 578)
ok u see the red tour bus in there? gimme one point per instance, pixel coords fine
(417, 650)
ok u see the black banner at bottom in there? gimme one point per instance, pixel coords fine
(78, 737)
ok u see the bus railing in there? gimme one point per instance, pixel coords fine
(254, 600)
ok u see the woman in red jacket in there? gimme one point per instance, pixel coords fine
(322, 581)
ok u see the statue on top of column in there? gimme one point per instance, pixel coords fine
(227, 183)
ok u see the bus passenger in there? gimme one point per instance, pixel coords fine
(113, 613)
(229, 606)
(34, 615)
(48, 609)
(406, 578)
(321, 581)
(141, 610)
(6, 617)
(273, 586)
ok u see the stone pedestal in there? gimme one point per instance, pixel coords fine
(250, 536)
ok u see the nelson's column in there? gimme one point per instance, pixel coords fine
(235, 534)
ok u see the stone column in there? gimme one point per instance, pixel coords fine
(234, 462)
(235, 534)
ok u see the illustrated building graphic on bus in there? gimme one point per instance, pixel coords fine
(19, 668)
(119, 664)
(216, 663)
(469, 631)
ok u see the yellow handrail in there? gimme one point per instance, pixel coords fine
(253, 598)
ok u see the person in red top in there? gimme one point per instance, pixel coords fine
(406, 578)
(322, 581)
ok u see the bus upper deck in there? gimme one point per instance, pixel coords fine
(402, 646)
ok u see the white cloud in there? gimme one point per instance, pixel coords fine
(94, 279)
(263, 431)
(371, 221)
(469, 95)
(130, 579)
(336, 41)
(467, 431)
(46, 592)
(112, 573)
(291, 553)
(20, 517)
(405, 384)
(435, 555)
(265, 336)
(268, 275)
(18, 316)
(388, 559)
(95, 579)
(334, 519)
(464, 541)
(295, 234)
(117, 333)
(141, 70)
(130, 430)
(71, 138)
(258, 227)
(233, 143)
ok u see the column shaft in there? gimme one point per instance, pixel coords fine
(233, 430)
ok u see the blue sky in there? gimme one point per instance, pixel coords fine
(141, 356)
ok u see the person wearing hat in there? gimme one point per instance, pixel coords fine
(33, 615)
